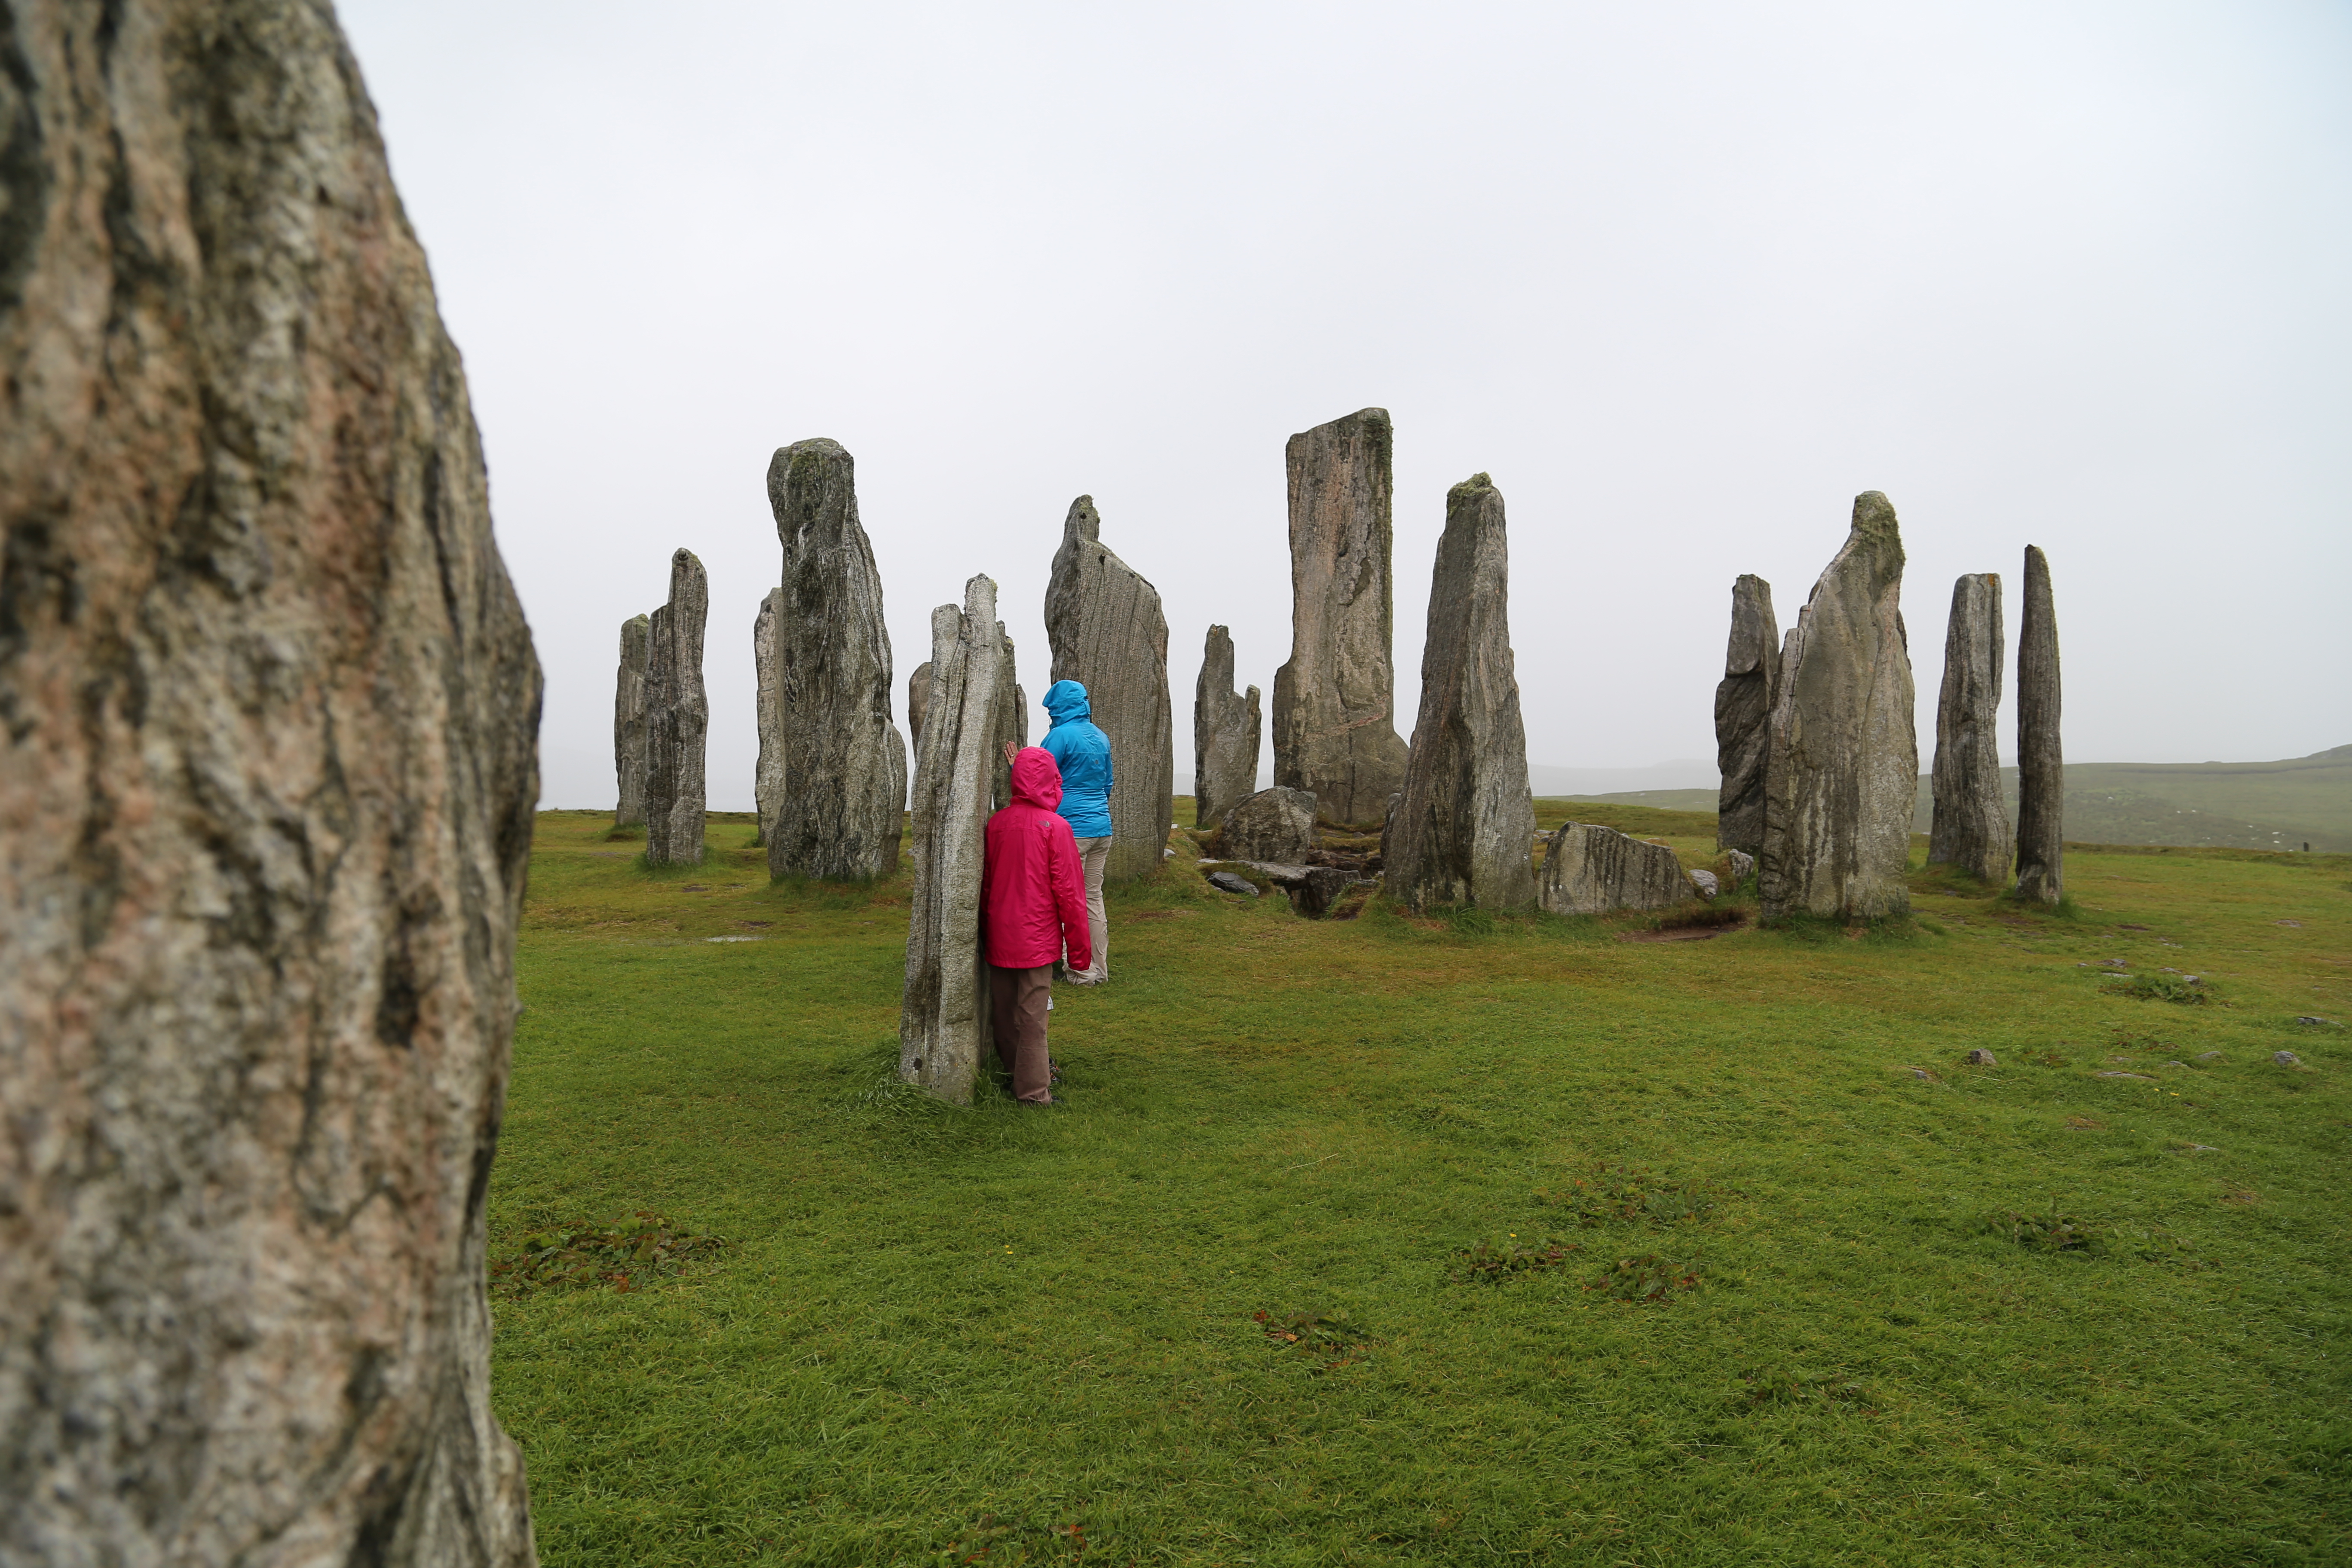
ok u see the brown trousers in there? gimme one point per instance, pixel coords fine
(1016, 1009)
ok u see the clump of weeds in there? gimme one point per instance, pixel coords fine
(624, 1255)
(1651, 1280)
(1618, 1195)
(1494, 1261)
(1330, 1340)
(2054, 1231)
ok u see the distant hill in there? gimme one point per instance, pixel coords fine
(2243, 805)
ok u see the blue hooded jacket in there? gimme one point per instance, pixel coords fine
(1083, 753)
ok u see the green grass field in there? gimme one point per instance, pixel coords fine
(1570, 1246)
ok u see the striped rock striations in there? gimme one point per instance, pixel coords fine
(1970, 827)
(1592, 871)
(2040, 760)
(844, 763)
(629, 720)
(1843, 777)
(1225, 729)
(677, 718)
(1460, 834)
(1335, 699)
(768, 773)
(268, 711)
(959, 779)
(1743, 715)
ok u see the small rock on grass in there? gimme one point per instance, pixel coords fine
(1705, 882)
(1981, 1058)
(1226, 882)
(1923, 1075)
(2286, 1058)
(2307, 1019)
(2198, 1149)
(2209, 1056)
(2144, 1077)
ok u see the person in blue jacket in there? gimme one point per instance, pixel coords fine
(1083, 753)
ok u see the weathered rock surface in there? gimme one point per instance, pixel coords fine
(2040, 759)
(918, 697)
(768, 775)
(1460, 833)
(1276, 825)
(844, 763)
(1970, 827)
(1844, 771)
(1103, 622)
(677, 718)
(1592, 871)
(1743, 714)
(1981, 1058)
(629, 721)
(1742, 865)
(1225, 729)
(1012, 717)
(2286, 1058)
(1704, 881)
(269, 713)
(1319, 889)
(1227, 882)
(943, 1024)
(1334, 702)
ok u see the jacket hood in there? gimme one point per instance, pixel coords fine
(1066, 701)
(1035, 780)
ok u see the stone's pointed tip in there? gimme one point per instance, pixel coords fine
(1873, 517)
(1082, 521)
(1477, 484)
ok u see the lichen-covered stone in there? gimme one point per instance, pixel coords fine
(1594, 870)
(2040, 759)
(629, 721)
(1104, 624)
(677, 718)
(1335, 699)
(269, 713)
(844, 763)
(1225, 729)
(768, 775)
(1743, 714)
(1460, 833)
(943, 1022)
(1274, 824)
(1970, 827)
(1843, 777)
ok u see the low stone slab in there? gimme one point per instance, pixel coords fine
(1226, 882)
(1276, 823)
(1589, 870)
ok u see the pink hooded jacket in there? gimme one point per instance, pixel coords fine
(1033, 891)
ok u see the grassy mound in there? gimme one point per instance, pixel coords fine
(1448, 1240)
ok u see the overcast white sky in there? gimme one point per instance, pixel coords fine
(1684, 277)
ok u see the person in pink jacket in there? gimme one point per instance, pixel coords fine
(1033, 903)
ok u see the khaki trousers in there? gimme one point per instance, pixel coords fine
(1094, 854)
(1016, 1010)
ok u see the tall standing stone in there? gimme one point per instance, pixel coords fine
(943, 1025)
(677, 718)
(1225, 728)
(2041, 760)
(268, 718)
(1843, 777)
(844, 762)
(918, 697)
(1104, 624)
(1461, 833)
(1334, 702)
(1743, 715)
(1970, 829)
(629, 720)
(768, 776)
